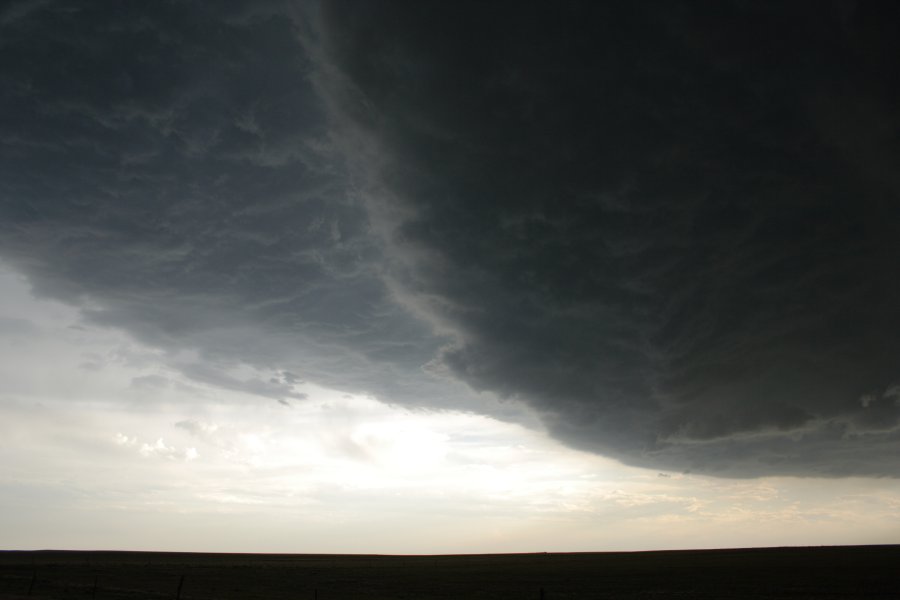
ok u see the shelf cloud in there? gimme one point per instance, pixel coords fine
(669, 229)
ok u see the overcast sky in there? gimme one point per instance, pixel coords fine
(449, 276)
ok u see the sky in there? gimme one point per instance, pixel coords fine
(433, 277)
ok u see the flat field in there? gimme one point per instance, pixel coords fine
(819, 572)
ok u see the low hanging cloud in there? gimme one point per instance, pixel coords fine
(170, 170)
(669, 230)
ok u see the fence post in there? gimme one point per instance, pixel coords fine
(94, 589)
(178, 593)
(33, 581)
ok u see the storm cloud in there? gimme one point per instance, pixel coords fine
(170, 170)
(670, 229)
(668, 226)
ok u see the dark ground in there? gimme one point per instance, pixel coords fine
(822, 572)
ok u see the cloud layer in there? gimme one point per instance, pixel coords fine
(170, 169)
(670, 229)
(665, 226)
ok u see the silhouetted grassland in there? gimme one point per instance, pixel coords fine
(820, 572)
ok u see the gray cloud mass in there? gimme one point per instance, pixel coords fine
(670, 228)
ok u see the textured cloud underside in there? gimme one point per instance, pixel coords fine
(670, 230)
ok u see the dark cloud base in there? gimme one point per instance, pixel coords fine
(670, 228)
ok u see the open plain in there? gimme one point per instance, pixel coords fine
(814, 572)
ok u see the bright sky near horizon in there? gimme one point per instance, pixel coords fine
(104, 446)
(426, 276)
